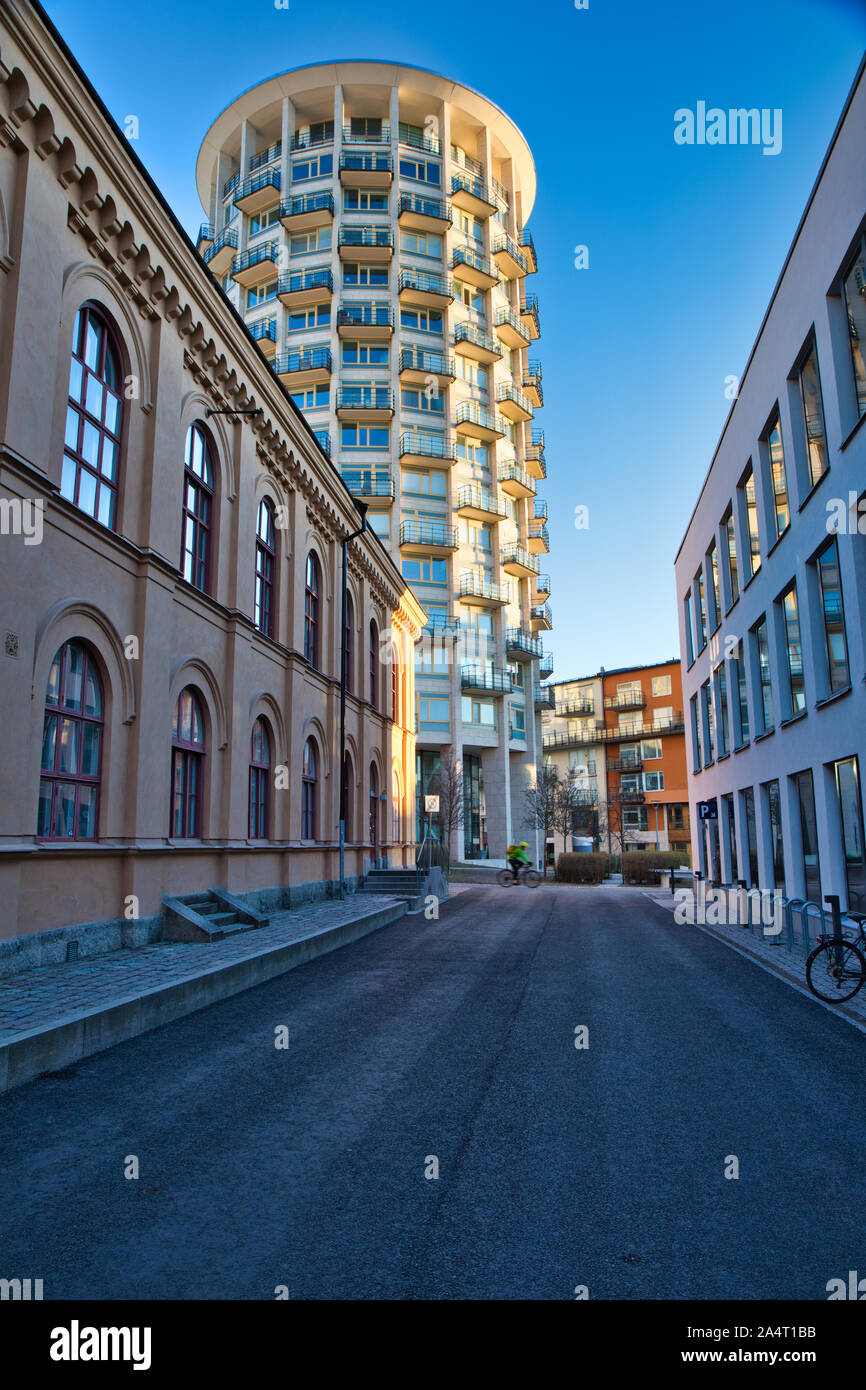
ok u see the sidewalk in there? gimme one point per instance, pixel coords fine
(54, 1015)
(772, 954)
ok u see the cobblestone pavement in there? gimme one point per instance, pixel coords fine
(49, 993)
(772, 952)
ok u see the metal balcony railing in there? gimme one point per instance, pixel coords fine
(258, 161)
(542, 584)
(513, 473)
(634, 699)
(227, 237)
(529, 309)
(507, 316)
(421, 360)
(625, 765)
(480, 498)
(428, 445)
(270, 178)
(577, 738)
(575, 706)
(540, 509)
(324, 439)
(507, 243)
(377, 135)
(265, 329)
(303, 360)
(465, 161)
(205, 232)
(267, 251)
(436, 533)
(537, 531)
(365, 398)
(369, 162)
(417, 140)
(511, 393)
(369, 485)
(440, 208)
(544, 697)
(307, 202)
(527, 245)
(516, 555)
(517, 639)
(468, 333)
(471, 414)
(427, 281)
(292, 282)
(366, 236)
(305, 140)
(365, 315)
(486, 678)
(461, 255)
(473, 587)
(477, 187)
(540, 613)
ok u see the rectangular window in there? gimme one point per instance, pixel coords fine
(751, 845)
(379, 523)
(479, 712)
(260, 294)
(742, 695)
(833, 612)
(434, 710)
(635, 818)
(419, 398)
(317, 239)
(318, 316)
(730, 831)
(809, 832)
(774, 819)
(731, 556)
(721, 684)
(700, 611)
(473, 452)
(650, 748)
(424, 569)
(422, 244)
(813, 417)
(432, 657)
(357, 354)
(321, 131)
(854, 293)
(355, 274)
(707, 715)
(364, 200)
(661, 685)
(260, 221)
(314, 167)
(421, 320)
(713, 571)
(697, 757)
(793, 647)
(654, 781)
(517, 721)
(364, 437)
(688, 608)
(762, 656)
(851, 814)
(312, 397)
(424, 482)
(778, 476)
(420, 170)
(476, 534)
(750, 506)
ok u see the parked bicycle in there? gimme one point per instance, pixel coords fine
(836, 969)
(529, 877)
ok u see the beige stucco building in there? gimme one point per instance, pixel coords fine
(170, 561)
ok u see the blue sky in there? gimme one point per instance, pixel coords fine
(685, 243)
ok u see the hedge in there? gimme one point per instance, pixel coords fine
(638, 866)
(581, 868)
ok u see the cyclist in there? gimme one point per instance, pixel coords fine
(517, 857)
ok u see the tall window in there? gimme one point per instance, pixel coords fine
(715, 602)
(833, 612)
(742, 695)
(813, 417)
(731, 831)
(750, 505)
(187, 766)
(311, 613)
(309, 791)
(707, 716)
(266, 560)
(395, 808)
(778, 477)
(374, 665)
(71, 747)
(395, 688)
(721, 683)
(350, 640)
(774, 816)
(809, 832)
(751, 846)
(374, 813)
(731, 556)
(794, 650)
(195, 544)
(260, 782)
(851, 812)
(697, 750)
(855, 307)
(701, 610)
(94, 410)
(688, 610)
(347, 798)
(762, 652)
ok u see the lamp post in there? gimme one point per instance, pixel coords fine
(344, 663)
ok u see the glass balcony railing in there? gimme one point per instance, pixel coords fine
(544, 697)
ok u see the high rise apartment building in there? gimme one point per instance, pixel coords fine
(368, 220)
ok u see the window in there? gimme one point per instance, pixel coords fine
(796, 685)
(774, 819)
(187, 766)
(731, 556)
(379, 523)
(311, 611)
(422, 244)
(434, 712)
(364, 436)
(425, 482)
(422, 320)
(261, 294)
(309, 791)
(654, 781)
(260, 782)
(198, 496)
(350, 640)
(395, 689)
(851, 813)
(809, 833)
(721, 684)
(261, 221)
(356, 273)
(516, 721)
(374, 811)
(813, 417)
(317, 316)
(420, 170)
(700, 610)
(424, 569)
(364, 200)
(731, 831)
(697, 748)
(688, 609)
(751, 846)
(747, 493)
(854, 295)
(634, 818)
(471, 297)
(833, 612)
(321, 132)
(475, 533)
(314, 167)
(742, 695)
(374, 664)
(707, 716)
(91, 456)
(478, 712)
(661, 685)
(266, 558)
(356, 354)
(713, 571)
(303, 243)
(71, 747)
(762, 653)
(778, 477)
(395, 808)
(478, 455)
(312, 397)
(649, 749)
(422, 398)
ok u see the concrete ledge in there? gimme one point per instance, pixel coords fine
(71, 1038)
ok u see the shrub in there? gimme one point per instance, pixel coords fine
(638, 866)
(581, 868)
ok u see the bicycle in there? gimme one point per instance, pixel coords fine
(836, 968)
(529, 877)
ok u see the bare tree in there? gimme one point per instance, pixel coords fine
(541, 801)
(612, 825)
(447, 784)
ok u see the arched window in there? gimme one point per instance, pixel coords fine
(374, 813)
(395, 808)
(260, 782)
(266, 564)
(94, 412)
(310, 787)
(71, 747)
(374, 664)
(187, 766)
(311, 611)
(347, 803)
(350, 644)
(198, 493)
(395, 685)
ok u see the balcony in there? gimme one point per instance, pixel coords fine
(537, 539)
(627, 798)
(442, 622)
(513, 404)
(220, 255)
(428, 535)
(473, 195)
(487, 679)
(521, 645)
(544, 697)
(517, 561)
(483, 591)
(372, 486)
(534, 458)
(574, 738)
(511, 329)
(365, 320)
(478, 423)
(540, 617)
(629, 732)
(268, 156)
(366, 169)
(633, 699)
(374, 244)
(258, 191)
(540, 509)
(308, 210)
(380, 134)
(474, 268)
(477, 504)
(204, 238)
(508, 257)
(418, 447)
(514, 481)
(306, 367)
(575, 706)
(265, 334)
(545, 666)
(251, 267)
(424, 214)
(301, 287)
(532, 384)
(527, 248)
(474, 342)
(542, 585)
(530, 316)
(625, 765)
(304, 140)
(365, 403)
(324, 441)
(417, 365)
(425, 287)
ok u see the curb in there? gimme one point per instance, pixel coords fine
(76, 1036)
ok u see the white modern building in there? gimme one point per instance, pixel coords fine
(367, 219)
(771, 574)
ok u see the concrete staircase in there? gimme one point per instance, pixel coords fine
(209, 915)
(407, 884)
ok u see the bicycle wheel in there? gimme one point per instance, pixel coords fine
(531, 877)
(835, 973)
(505, 878)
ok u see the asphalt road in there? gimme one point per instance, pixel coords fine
(558, 1167)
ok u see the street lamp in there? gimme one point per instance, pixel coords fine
(344, 663)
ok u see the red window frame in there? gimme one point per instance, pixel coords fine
(68, 730)
(374, 664)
